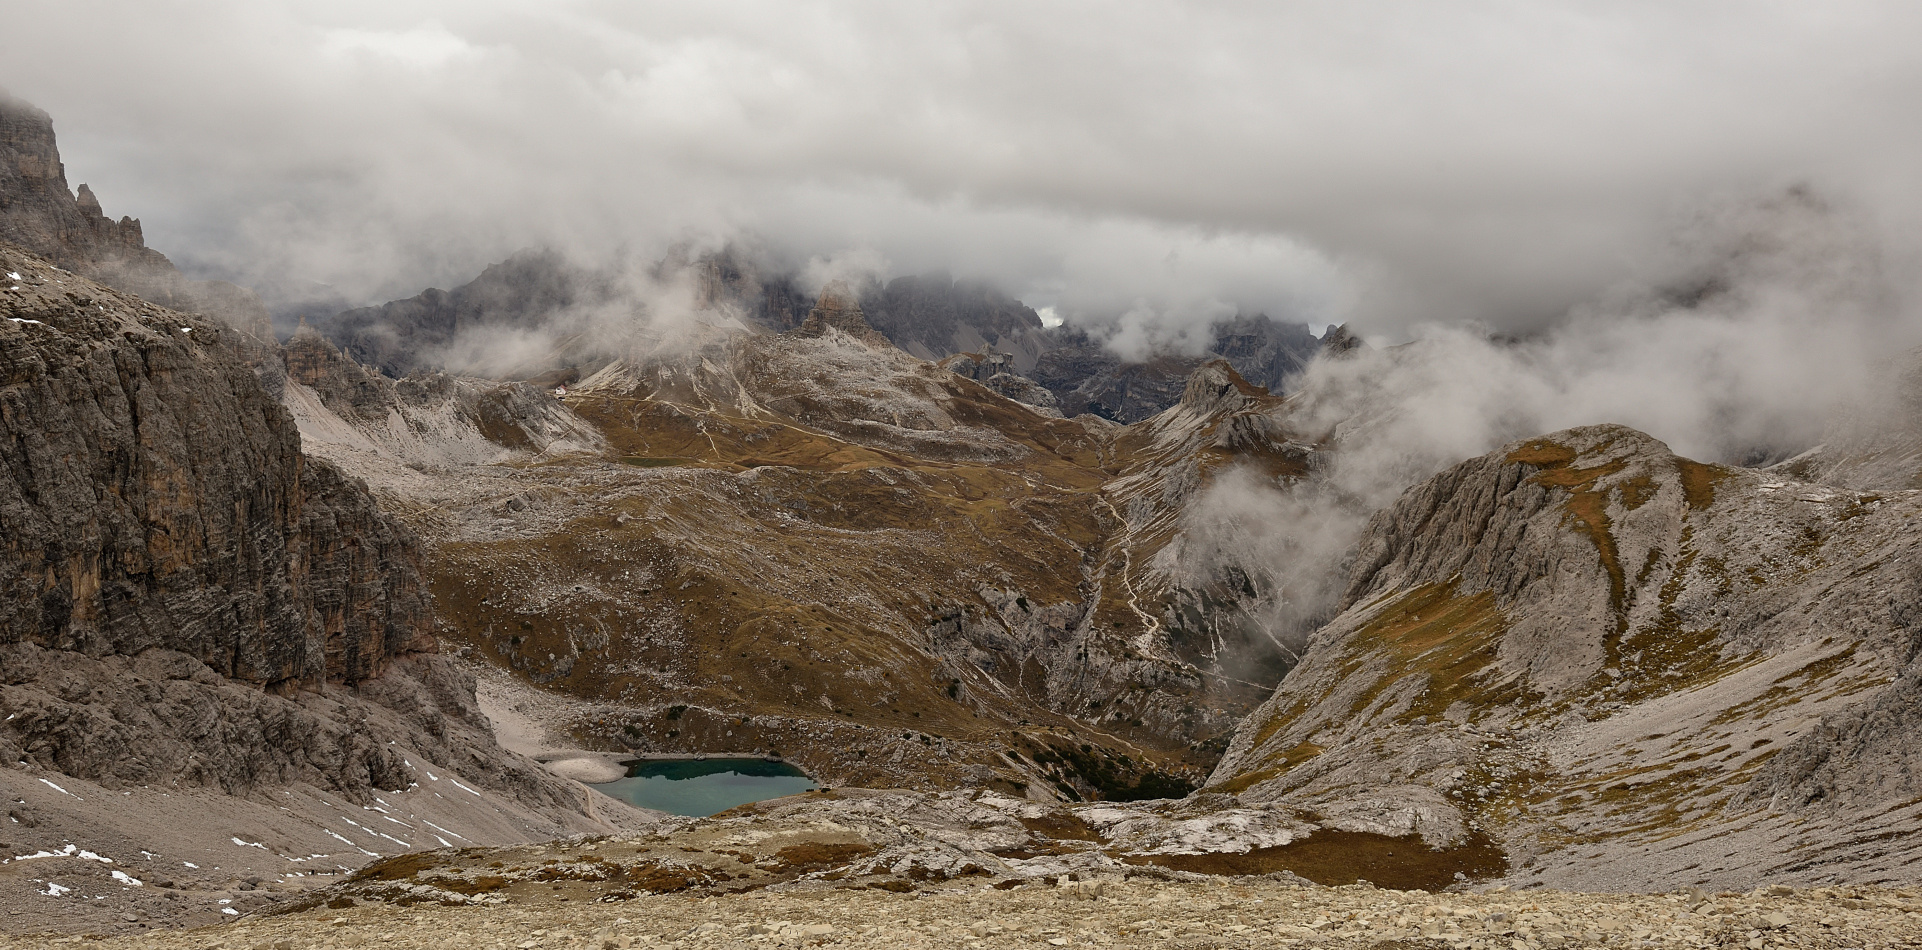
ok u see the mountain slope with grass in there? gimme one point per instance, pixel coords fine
(1628, 668)
(814, 543)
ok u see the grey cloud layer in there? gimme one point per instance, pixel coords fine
(1152, 163)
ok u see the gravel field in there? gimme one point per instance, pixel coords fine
(1247, 912)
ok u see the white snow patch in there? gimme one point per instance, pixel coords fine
(440, 829)
(70, 851)
(53, 786)
(127, 879)
(13, 275)
(464, 788)
(353, 845)
(55, 890)
(249, 844)
(229, 910)
(37, 324)
(38, 855)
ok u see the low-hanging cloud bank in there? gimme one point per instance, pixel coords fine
(1144, 165)
(1766, 319)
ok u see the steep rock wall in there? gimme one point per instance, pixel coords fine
(184, 597)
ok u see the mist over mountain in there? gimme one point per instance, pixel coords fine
(1444, 448)
(1154, 168)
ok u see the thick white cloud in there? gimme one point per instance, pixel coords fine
(1401, 161)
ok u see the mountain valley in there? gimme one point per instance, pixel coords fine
(968, 571)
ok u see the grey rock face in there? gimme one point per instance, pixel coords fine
(155, 497)
(838, 310)
(38, 213)
(183, 595)
(1583, 637)
(528, 291)
(1087, 377)
(996, 371)
(933, 316)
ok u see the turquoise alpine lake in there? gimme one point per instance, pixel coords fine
(704, 786)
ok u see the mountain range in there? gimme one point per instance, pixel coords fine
(905, 536)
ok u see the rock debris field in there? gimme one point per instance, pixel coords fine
(868, 868)
(1227, 912)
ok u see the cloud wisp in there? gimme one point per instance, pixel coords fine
(1768, 319)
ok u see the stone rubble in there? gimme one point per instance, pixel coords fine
(1224, 913)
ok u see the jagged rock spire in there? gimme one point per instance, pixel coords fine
(837, 309)
(1338, 341)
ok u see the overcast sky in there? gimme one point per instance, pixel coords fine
(1393, 162)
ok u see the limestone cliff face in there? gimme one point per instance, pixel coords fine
(183, 595)
(40, 214)
(156, 498)
(37, 211)
(1586, 647)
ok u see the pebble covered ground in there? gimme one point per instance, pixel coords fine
(1223, 913)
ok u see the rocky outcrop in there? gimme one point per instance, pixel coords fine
(529, 292)
(996, 371)
(838, 311)
(933, 316)
(1340, 341)
(428, 419)
(186, 598)
(1088, 377)
(38, 213)
(1584, 638)
(156, 498)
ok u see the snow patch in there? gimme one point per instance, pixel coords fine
(127, 879)
(70, 851)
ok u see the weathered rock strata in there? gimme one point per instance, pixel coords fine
(40, 214)
(1590, 647)
(186, 598)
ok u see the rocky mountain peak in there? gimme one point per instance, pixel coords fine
(838, 309)
(38, 213)
(88, 202)
(1217, 387)
(1339, 341)
(1585, 629)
